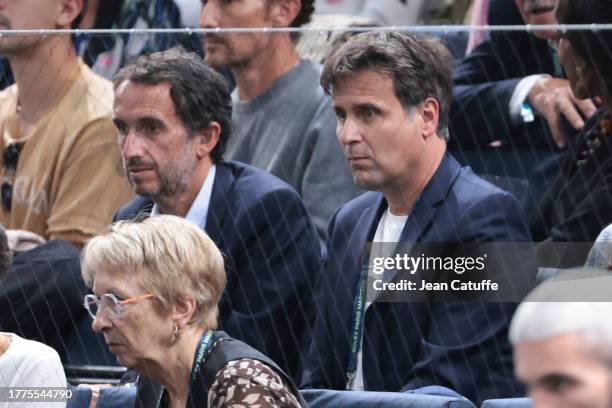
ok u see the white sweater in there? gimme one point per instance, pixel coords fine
(28, 363)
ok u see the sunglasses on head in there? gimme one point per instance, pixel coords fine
(10, 158)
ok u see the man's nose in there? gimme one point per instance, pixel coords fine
(209, 18)
(131, 145)
(349, 132)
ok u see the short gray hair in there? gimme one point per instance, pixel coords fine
(421, 67)
(561, 305)
(173, 258)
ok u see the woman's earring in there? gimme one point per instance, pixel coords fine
(178, 332)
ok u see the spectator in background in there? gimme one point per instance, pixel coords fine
(25, 363)
(173, 114)
(577, 205)
(106, 54)
(391, 94)
(283, 121)
(562, 340)
(512, 89)
(58, 140)
(383, 12)
(587, 57)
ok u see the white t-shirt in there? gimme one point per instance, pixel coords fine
(28, 363)
(389, 230)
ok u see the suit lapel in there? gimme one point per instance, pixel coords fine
(144, 211)
(369, 220)
(427, 205)
(219, 199)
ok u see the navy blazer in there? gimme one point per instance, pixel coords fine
(272, 259)
(459, 345)
(485, 81)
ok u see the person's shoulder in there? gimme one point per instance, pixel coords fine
(253, 182)
(91, 95)
(307, 78)
(139, 205)
(473, 188)
(605, 235)
(86, 111)
(352, 210)
(36, 363)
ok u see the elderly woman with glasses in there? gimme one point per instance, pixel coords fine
(156, 285)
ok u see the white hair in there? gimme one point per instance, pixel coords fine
(579, 301)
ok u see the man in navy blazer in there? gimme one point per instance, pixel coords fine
(173, 114)
(391, 93)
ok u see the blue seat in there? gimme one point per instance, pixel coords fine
(371, 399)
(118, 397)
(507, 403)
(81, 397)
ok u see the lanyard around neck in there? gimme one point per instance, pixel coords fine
(202, 352)
(357, 326)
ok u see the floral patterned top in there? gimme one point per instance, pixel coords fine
(250, 383)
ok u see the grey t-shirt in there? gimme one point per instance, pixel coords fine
(290, 131)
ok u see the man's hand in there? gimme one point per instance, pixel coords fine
(21, 240)
(553, 97)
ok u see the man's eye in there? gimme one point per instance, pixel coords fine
(368, 112)
(340, 115)
(151, 128)
(122, 129)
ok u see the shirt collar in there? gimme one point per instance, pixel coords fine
(199, 209)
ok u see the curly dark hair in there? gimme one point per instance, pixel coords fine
(200, 94)
(305, 14)
(303, 17)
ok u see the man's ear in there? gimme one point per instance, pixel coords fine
(430, 115)
(283, 12)
(69, 10)
(207, 139)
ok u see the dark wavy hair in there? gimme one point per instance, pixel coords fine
(421, 67)
(594, 47)
(303, 17)
(200, 94)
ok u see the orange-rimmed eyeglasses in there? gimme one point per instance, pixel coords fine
(110, 304)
